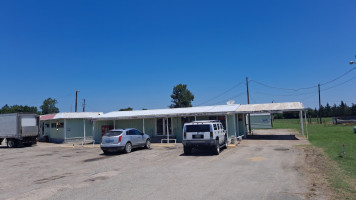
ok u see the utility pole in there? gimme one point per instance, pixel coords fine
(84, 105)
(319, 103)
(76, 98)
(248, 102)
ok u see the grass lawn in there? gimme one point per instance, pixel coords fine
(331, 139)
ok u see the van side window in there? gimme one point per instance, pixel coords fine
(220, 126)
(215, 127)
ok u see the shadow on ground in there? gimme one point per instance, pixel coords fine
(271, 137)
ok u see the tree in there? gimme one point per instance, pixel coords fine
(126, 109)
(18, 109)
(181, 97)
(49, 106)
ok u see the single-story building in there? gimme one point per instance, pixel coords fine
(168, 123)
(62, 127)
(158, 123)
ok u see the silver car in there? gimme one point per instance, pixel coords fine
(124, 140)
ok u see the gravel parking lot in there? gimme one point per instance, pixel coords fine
(259, 168)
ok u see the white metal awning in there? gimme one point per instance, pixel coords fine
(172, 112)
(271, 107)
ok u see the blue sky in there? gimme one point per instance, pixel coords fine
(132, 53)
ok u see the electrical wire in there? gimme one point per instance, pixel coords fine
(231, 98)
(221, 94)
(304, 88)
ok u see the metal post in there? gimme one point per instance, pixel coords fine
(319, 103)
(143, 124)
(84, 129)
(65, 130)
(238, 126)
(301, 122)
(235, 124)
(167, 131)
(306, 124)
(227, 127)
(76, 98)
(114, 125)
(93, 131)
(248, 102)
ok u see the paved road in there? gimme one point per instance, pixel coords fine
(255, 169)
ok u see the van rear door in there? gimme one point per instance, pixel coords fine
(198, 131)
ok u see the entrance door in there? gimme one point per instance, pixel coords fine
(162, 124)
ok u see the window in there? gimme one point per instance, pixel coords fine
(53, 125)
(216, 127)
(113, 133)
(60, 125)
(130, 132)
(137, 132)
(47, 125)
(161, 126)
(198, 128)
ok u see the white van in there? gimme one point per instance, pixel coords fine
(204, 134)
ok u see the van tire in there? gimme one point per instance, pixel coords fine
(216, 149)
(187, 150)
(225, 143)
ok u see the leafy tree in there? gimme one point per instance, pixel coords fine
(181, 97)
(49, 106)
(18, 109)
(126, 109)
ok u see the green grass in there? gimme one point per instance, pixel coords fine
(331, 139)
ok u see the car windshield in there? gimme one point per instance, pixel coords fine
(197, 128)
(113, 133)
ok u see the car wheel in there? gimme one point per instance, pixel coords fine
(11, 143)
(148, 144)
(225, 143)
(187, 150)
(216, 149)
(128, 147)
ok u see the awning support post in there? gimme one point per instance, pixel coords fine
(301, 122)
(227, 127)
(306, 124)
(84, 128)
(65, 130)
(167, 131)
(143, 124)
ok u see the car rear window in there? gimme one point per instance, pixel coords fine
(197, 128)
(113, 133)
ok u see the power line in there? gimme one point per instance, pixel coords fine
(279, 88)
(337, 78)
(233, 97)
(340, 84)
(221, 94)
(304, 88)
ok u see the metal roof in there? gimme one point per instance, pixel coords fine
(71, 115)
(171, 112)
(271, 107)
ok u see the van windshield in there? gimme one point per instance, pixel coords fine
(113, 133)
(197, 128)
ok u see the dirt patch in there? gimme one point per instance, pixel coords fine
(281, 149)
(322, 172)
(99, 178)
(52, 178)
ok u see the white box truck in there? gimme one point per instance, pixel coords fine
(19, 129)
